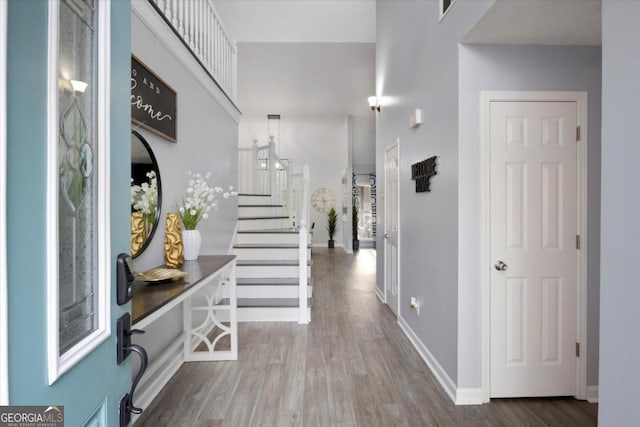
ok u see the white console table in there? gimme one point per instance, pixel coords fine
(207, 322)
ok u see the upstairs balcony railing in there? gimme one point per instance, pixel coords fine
(196, 22)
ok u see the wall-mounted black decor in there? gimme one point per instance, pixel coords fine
(154, 104)
(422, 172)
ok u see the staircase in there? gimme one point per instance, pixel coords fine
(267, 264)
(273, 273)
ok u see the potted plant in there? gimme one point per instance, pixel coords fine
(332, 225)
(354, 228)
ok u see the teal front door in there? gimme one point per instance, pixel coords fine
(67, 204)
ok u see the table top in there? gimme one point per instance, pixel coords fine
(148, 298)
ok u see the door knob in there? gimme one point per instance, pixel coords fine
(386, 235)
(501, 266)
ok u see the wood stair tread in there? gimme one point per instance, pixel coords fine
(270, 230)
(269, 262)
(268, 246)
(267, 302)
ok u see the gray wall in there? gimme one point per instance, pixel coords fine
(620, 291)
(207, 142)
(539, 68)
(323, 141)
(417, 67)
(364, 144)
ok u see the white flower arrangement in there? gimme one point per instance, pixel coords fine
(144, 197)
(200, 199)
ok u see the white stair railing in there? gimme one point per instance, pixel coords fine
(303, 235)
(261, 171)
(254, 170)
(197, 23)
(297, 182)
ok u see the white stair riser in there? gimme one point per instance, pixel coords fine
(261, 211)
(270, 314)
(260, 238)
(263, 224)
(268, 291)
(270, 271)
(258, 200)
(269, 253)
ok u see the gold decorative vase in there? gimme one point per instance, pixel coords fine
(173, 248)
(138, 232)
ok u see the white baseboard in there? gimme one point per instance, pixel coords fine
(159, 373)
(592, 393)
(437, 370)
(380, 295)
(469, 396)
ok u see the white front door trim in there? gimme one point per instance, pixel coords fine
(59, 364)
(580, 98)
(4, 347)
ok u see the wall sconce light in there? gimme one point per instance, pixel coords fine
(79, 86)
(374, 103)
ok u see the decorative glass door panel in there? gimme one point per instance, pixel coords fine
(78, 236)
(77, 184)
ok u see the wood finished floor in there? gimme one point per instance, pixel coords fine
(352, 366)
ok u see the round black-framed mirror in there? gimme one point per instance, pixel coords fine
(146, 194)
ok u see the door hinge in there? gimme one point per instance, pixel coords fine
(577, 241)
(577, 349)
(577, 133)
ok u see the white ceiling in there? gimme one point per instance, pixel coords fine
(305, 79)
(317, 21)
(543, 22)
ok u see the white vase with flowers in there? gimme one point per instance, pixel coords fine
(198, 201)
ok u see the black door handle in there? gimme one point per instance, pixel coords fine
(124, 279)
(124, 348)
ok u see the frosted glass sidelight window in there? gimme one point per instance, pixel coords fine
(77, 182)
(78, 175)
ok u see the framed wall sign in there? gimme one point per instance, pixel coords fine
(154, 104)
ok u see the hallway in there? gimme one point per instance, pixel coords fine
(352, 366)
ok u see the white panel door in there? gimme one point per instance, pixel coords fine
(533, 248)
(391, 227)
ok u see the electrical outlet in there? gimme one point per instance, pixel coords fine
(414, 303)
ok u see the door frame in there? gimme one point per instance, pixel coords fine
(59, 364)
(386, 217)
(4, 348)
(580, 98)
